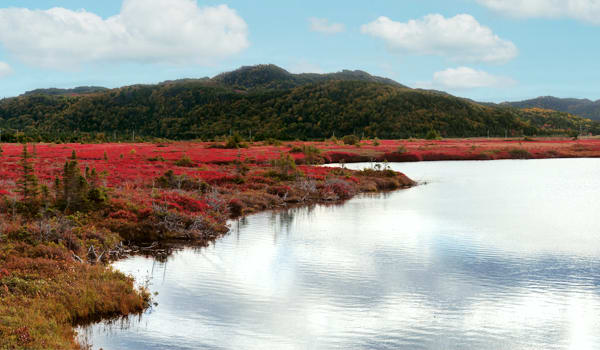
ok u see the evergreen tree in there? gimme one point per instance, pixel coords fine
(76, 191)
(27, 184)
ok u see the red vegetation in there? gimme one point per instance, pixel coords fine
(461, 149)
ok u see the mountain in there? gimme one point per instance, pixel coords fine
(269, 102)
(81, 90)
(269, 76)
(580, 107)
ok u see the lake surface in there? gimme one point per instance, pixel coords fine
(486, 255)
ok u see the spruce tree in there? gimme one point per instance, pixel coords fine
(77, 191)
(74, 187)
(27, 184)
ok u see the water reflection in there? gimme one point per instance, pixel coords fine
(488, 255)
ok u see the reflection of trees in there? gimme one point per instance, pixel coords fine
(240, 224)
(243, 222)
(282, 221)
(85, 333)
(286, 219)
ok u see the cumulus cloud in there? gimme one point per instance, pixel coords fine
(466, 78)
(157, 31)
(5, 69)
(322, 25)
(461, 38)
(583, 10)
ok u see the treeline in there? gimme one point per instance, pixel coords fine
(580, 107)
(205, 110)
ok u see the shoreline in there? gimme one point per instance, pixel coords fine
(53, 266)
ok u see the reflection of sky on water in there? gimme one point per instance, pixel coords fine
(488, 255)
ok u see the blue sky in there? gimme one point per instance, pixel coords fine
(492, 50)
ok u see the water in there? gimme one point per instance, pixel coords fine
(487, 255)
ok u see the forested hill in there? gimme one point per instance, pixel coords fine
(81, 90)
(272, 77)
(265, 107)
(580, 107)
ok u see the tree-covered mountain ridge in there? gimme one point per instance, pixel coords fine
(266, 101)
(581, 107)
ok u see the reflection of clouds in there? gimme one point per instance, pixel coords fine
(431, 267)
(519, 206)
(526, 316)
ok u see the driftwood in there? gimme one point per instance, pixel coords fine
(119, 251)
(93, 256)
(77, 258)
(150, 247)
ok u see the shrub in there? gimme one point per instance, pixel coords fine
(171, 181)
(312, 155)
(379, 172)
(519, 153)
(284, 165)
(156, 159)
(279, 190)
(433, 135)
(272, 174)
(341, 188)
(236, 207)
(184, 161)
(272, 142)
(350, 140)
(235, 141)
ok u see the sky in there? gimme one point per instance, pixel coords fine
(487, 50)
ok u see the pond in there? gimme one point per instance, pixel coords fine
(486, 255)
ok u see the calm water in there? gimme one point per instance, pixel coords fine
(487, 255)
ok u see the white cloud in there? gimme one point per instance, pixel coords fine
(5, 70)
(466, 78)
(583, 10)
(322, 25)
(461, 38)
(157, 31)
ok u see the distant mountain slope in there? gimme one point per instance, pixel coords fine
(268, 76)
(81, 90)
(267, 101)
(263, 76)
(580, 107)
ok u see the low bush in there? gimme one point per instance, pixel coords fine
(520, 153)
(433, 135)
(350, 140)
(185, 161)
